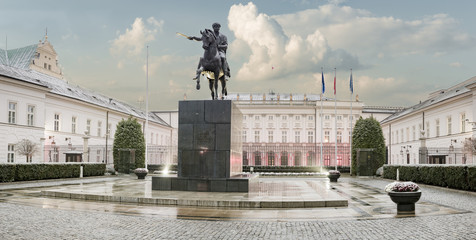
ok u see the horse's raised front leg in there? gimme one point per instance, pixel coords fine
(199, 71)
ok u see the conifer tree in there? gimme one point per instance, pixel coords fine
(129, 136)
(368, 133)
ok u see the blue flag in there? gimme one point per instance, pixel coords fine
(323, 84)
(351, 84)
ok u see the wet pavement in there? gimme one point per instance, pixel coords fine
(278, 199)
(370, 214)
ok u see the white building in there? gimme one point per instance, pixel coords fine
(285, 129)
(436, 130)
(39, 105)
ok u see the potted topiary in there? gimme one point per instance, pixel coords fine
(405, 195)
(333, 175)
(141, 172)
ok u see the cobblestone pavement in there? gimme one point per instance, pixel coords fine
(20, 221)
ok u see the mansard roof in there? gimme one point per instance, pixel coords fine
(19, 57)
(63, 88)
(435, 98)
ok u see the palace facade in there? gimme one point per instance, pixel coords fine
(439, 130)
(294, 129)
(39, 105)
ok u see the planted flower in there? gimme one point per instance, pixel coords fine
(402, 187)
(141, 170)
(334, 172)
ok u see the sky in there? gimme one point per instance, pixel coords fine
(399, 51)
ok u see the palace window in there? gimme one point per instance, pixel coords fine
(257, 139)
(12, 112)
(449, 125)
(31, 115)
(437, 125)
(327, 136)
(73, 125)
(339, 137)
(57, 123)
(310, 136)
(284, 136)
(11, 153)
(100, 128)
(297, 137)
(270, 136)
(88, 126)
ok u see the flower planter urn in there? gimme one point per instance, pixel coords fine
(141, 173)
(405, 201)
(333, 177)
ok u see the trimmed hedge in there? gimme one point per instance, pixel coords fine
(292, 169)
(39, 171)
(452, 176)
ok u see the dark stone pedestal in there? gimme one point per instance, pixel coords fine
(209, 149)
(405, 201)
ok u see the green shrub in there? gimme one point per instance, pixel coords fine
(471, 176)
(7, 172)
(128, 136)
(453, 176)
(368, 133)
(456, 177)
(39, 171)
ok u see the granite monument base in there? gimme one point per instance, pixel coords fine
(240, 183)
(209, 149)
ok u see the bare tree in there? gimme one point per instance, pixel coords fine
(26, 147)
(470, 145)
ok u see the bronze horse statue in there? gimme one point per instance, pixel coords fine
(210, 65)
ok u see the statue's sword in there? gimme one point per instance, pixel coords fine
(183, 35)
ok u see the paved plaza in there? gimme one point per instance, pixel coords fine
(122, 207)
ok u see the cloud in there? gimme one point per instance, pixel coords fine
(359, 32)
(134, 39)
(274, 52)
(455, 64)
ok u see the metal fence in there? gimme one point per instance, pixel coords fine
(98, 153)
(446, 156)
(296, 155)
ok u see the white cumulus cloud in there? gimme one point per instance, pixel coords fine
(134, 39)
(273, 51)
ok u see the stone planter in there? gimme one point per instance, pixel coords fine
(141, 175)
(333, 177)
(405, 201)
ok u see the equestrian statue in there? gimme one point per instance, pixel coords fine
(213, 64)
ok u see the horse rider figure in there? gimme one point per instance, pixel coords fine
(222, 47)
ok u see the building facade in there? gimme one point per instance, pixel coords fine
(57, 117)
(288, 129)
(436, 131)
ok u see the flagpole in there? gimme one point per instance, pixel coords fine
(351, 119)
(335, 117)
(146, 108)
(322, 94)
